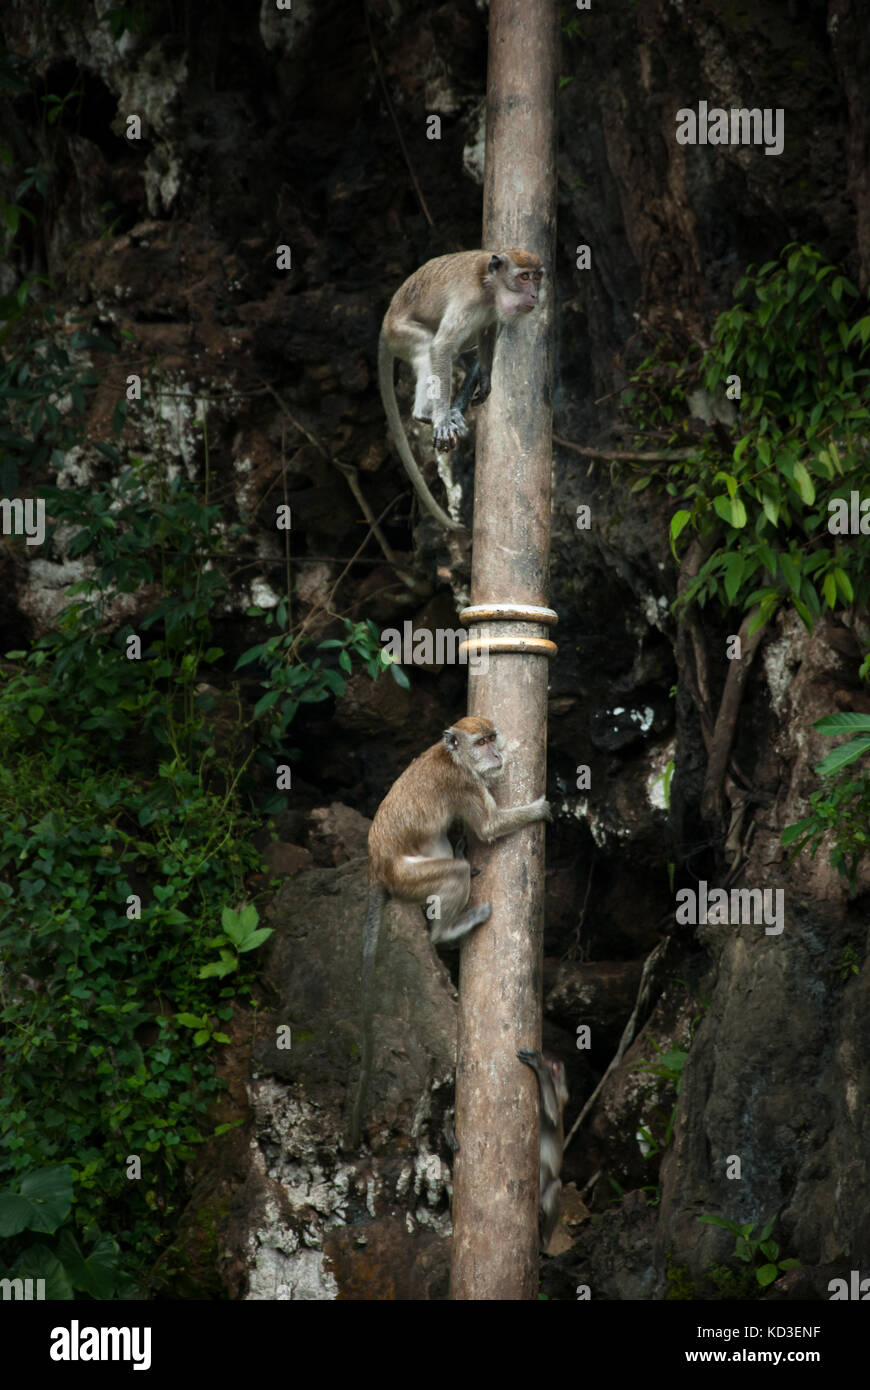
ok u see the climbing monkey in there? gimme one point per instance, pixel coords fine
(449, 305)
(411, 858)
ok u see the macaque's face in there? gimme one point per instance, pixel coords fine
(486, 751)
(526, 286)
(518, 287)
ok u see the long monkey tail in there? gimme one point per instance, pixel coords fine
(374, 912)
(394, 422)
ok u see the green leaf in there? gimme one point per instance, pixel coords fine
(844, 584)
(266, 702)
(218, 969)
(843, 722)
(771, 508)
(811, 598)
(741, 447)
(738, 513)
(41, 1204)
(829, 589)
(794, 832)
(766, 609)
(38, 1262)
(334, 682)
(238, 925)
(14, 1213)
(256, 939)
(94, 1274)
(679, 521)
(716, 1221)
(842, 756)
(804, 614)
(804, 484)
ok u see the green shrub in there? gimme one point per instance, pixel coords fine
(757, 494)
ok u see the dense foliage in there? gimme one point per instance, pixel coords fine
(787, 375)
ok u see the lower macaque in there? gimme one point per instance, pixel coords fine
(411, 858)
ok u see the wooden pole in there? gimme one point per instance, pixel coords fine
(495, 1203)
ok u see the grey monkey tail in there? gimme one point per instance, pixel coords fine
(374, 912)
(400, 439)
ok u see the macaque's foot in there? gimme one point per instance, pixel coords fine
(484, 386)
(447, 434)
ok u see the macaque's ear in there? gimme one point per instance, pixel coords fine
(450, 739)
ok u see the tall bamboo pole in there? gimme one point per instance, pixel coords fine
(495, 1200)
